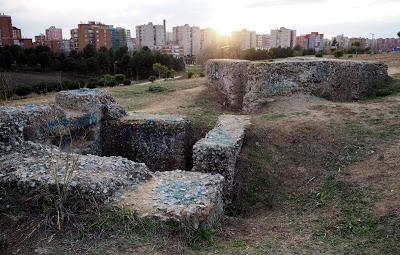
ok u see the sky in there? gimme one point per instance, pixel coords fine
(354, 18)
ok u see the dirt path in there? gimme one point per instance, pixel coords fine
(172, 102)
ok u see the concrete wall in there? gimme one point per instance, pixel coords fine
(162, 142)
(218, 152)
(251, 84)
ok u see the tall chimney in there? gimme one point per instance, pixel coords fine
(165, 33)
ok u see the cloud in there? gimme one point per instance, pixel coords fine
(269, 3)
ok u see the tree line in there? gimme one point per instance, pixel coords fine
(252, 54)
(89, 61)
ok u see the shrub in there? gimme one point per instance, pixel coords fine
(127, 82)
(156, 89)
(112, 84)
(40, 88)
(350, 56)
(190, 74)
(92, 84)
(23, 91)
(119, 78)
(202, 74)
(107, 80)
(70, 85)
(54, 86)
(152, 78)
(319, 55)
(338, 54)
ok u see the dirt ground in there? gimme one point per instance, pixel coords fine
(174, 101)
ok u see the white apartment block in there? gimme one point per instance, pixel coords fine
(151, 36)
(244, 39)
(263, 42)
(282, 37)
(209, 37)
(188, 38)
(74, 39)
(342, 41)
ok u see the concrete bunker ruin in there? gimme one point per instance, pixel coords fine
(136, 160)
(247, 86)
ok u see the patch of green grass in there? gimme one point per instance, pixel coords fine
(136, 97)
(302, 114)
(353, 228)
(157, 89)
(259, 187)
(385, 89)
(274, 117)
(281, 116)
(123, 222)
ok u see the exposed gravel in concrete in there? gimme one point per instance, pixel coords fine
(248, 85)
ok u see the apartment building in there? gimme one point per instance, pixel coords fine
(244, 39)
(342, 41)
(74, 41)
(263, 42)
(151, 36)
(16, 33)
(95, 33)
(209, 37)
(283, 37)
(314, 40)
(120, 37)
(54, 34)
(6, 30)
(40, 39)
(189, 38)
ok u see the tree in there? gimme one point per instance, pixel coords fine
(398, 34)
(334, 42)
(356, 45)
(89, 51)
(338, 54)
(161, 70)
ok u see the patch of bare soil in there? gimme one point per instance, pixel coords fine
(175, 101)
(382, 173)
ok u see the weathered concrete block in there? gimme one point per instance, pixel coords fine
(35, 167)
(336, 80)
(229, 77)
(86, 111)
(29, 122)
(89, 101)
(194, 199)
(218, 152)
(162, 142)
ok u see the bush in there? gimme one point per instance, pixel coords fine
(190, 74)
(319, 55)
(119, 78)
(40, 88)
(92, 84)
(152, 78)
(71, 85)
(338, 54)
(112, 84)
(350, 56)
(156, 89)
(202, 75)
(107, 80)
(127, 82)
(54, 86)
(23, 91)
